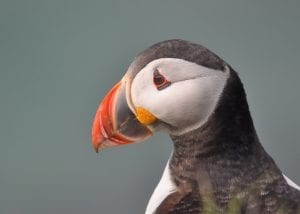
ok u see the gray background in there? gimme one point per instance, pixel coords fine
(58, 58)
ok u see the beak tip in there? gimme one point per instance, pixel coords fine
(96, 147)
(96, 132)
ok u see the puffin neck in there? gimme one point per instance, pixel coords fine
(225, 146)
(229, 129)
(224, 155)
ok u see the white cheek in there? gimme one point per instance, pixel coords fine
(185, 104)
(188, 104)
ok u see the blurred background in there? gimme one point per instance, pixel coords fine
(58, 59)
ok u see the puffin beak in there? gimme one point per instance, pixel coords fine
(114, 123)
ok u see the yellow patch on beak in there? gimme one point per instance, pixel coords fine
(144, 116)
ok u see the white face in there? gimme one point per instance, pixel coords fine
(188, 101)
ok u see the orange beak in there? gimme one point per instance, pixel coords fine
(114, 123)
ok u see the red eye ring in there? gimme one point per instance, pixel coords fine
(160, 81)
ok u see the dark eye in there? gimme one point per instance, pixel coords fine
(160, 81)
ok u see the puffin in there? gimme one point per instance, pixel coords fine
(218, 164)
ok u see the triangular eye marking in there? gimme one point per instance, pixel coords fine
(160, 81)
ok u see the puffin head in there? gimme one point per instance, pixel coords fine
(173, 86)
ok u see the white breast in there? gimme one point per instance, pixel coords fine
(164, 188)
(291, 183)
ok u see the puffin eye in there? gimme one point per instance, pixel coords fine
(160, 81)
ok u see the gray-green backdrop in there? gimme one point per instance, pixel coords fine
(58, 58)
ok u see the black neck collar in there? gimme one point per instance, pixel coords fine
(225, 150)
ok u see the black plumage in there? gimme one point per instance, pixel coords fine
(220, 167)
